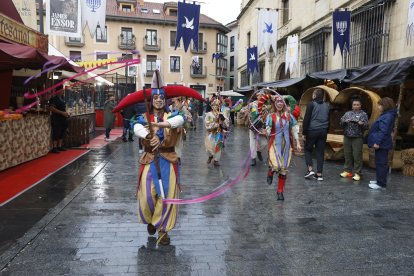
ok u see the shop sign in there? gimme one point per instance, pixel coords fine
(14, 31)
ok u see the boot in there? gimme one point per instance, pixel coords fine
(151, 229)
(163, 238)
(259, 156)
(270, 177)
(209, 159)
(253, 162)
(280, 186)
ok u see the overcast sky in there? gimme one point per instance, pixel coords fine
(223, 11)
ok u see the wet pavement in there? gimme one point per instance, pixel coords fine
(83, 220)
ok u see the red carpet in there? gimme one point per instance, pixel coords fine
(17, 180)
(99, 141)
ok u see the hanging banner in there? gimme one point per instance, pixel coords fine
(252, 62)
(216, 56)
(292, 53)
(187, 25)
(410, 23)
(341, 27)
(63, 18)
(267, 30)
(27, 11)
(93, 14)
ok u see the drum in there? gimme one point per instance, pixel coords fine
(256, 125)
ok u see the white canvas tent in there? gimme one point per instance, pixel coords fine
(228, 93)
(88, 77)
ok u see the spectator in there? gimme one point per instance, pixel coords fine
(58, 119)
(315, 132)
(109, 117)
(354, 122)
(379, 138)
(127, 114)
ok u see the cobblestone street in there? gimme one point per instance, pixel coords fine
(332, 227)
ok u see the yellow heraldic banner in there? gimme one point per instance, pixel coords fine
(95, 63)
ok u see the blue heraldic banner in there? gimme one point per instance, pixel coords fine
(252, 63)
(341, 27)
(187, 25)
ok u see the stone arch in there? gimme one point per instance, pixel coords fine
(280, 73)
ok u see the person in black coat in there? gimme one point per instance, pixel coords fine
(127, 113)
(315, 132)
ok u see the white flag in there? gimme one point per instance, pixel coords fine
(93, 14)
(267, 30)
(410, 23)
(292, 53)
(63, 18)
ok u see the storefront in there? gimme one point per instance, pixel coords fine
(24, 136)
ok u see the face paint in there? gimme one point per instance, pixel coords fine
(158, 101)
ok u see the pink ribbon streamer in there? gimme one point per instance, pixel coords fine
(224, 187)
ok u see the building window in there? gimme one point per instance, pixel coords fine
(75, 39)
(315, 51)
(200, 43)
(370, 32)
(101, 34)
(151, 63)
(261, 71)
(244, 78)
(231, 63)
(197, 68)
(126, 36)
(248, 39)
(175, 64)
(75, 56)
(173, 12)
(126, 8)
(221, 67)
(151, 37)
(285, 11)
(222, 43)
(232, 44)
(102, 56)
(172, 39)
(231, 82)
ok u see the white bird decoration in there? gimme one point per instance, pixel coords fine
(188, 24)
(252, 57)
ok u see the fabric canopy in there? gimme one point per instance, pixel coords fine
(228, 93)
(375, 75)
(88, 77)
(16, 56)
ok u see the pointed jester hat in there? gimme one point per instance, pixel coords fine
(157, 88)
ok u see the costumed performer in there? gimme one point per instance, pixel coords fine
(281, 126)
(159, 171)
(216, 125)
(257, 139)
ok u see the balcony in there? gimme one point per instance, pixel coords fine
(126, 43)
(149, 73)
(74, 42)
(201, 50)
(152, 47)
(198, 72)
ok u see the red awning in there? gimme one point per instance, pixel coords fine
(16, 56)
(8, 8)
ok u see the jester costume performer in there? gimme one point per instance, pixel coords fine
(281, 126)
(159, 168)
(216, 125)
(257, 140)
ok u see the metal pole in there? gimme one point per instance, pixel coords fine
(40, 3)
